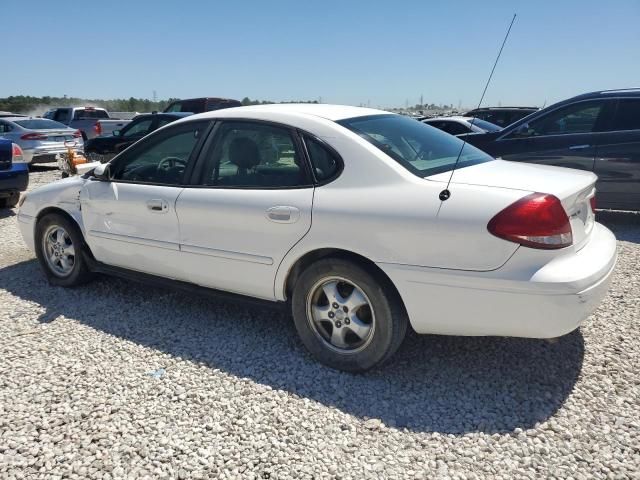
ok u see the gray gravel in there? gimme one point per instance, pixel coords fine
(122, 380)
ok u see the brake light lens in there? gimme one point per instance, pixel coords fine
(537, 221)
(97, 128)
(77, 134)
(592, 201)
(33, 136)
(16, 154)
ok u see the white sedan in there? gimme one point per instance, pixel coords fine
(345, 213)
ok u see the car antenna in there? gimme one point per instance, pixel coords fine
(445, 194)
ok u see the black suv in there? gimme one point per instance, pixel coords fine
(598, 131)
(501, 116)
(201, 105)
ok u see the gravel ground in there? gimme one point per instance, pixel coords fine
(121, 380)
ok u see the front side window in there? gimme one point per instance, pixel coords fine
(255, 155)
(627, 115)
(137, 129)
(419, 148)
(577, 118)
(162, 160)
(174, 107)
(62, 115)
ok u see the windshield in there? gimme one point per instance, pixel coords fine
(421, 149)
(40, 124)
(486, 126)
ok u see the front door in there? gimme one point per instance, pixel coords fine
(252, 206)
(130, 219)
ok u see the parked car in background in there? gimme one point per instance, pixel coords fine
(336, 209)
(598, 132)
(461, 125)
(200, 105)
(104, 148)
(90, 121)
(501, 116)
(41, 139)
(14, 174)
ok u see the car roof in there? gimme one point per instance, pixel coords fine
(14, 119)
(326, 111)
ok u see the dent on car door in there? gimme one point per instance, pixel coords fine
(618, 159)
(563, 137)
(130, 219)
(253, 205)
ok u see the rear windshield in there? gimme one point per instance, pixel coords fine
(487, 126)
(40, 124)
(420, 148)
(80, 114)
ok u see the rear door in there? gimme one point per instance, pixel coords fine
(618, 158)
(252, 205)
(131, 219)
(563, 137)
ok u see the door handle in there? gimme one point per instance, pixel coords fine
(283, 214)
(579, 147)
(158, 205)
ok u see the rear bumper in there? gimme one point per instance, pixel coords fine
(550, 302)
(16, 179)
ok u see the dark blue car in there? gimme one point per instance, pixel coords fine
(14, 174)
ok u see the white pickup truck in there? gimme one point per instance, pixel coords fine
(91, 121)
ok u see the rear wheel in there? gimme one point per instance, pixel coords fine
(59, 248)
(347, 316)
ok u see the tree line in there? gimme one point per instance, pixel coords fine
(26, 104)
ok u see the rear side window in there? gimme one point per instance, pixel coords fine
(255, 155)
(326, 164)
(627, 115)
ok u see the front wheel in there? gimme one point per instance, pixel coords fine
(348, 317)
(59, 248)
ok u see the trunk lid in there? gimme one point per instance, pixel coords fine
(574, 188)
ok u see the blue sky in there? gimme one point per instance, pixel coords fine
(343, 51)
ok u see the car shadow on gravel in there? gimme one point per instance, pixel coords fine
(449, 385)
(6, 212)
(624, 225)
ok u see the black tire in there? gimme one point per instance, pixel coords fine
(80, 272)
(11, 201)
(389, 316)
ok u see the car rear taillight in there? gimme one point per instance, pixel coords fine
(592, 201)
(537, 221)
(33, 136)
(16, 154)
(97, 128)
(77, 134)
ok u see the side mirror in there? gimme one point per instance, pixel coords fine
(116, 133)
(101, 172)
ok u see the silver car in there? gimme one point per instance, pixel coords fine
(40, 139)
